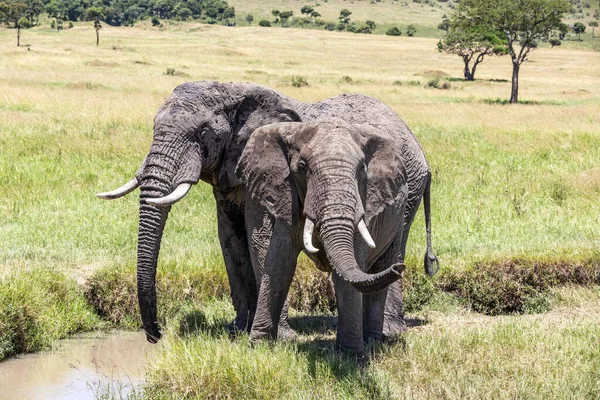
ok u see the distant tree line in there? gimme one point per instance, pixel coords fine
(117, 12)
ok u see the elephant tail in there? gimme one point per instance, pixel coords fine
(431, 263)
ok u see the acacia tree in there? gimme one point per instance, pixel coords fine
(523, 22)
(284, 16)
(579, 28)
(315, 15)
(472, 44)
(96, 13)
(249, 19)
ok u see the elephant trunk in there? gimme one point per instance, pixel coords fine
(152, 223)
(338, 242)
(155, 183)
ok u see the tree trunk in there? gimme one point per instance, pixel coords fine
(97, 36)
(18, 36)
(467, 72)
(514, 94)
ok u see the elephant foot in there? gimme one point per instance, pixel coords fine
(239, 325)
(355, 353)
(394, 328)
(284, 332)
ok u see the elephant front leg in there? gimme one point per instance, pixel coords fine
(350, 317)
(274, 258)
(242, 284)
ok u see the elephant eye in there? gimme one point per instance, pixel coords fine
(301, 165)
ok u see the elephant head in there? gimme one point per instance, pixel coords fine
(324, 170)
(199, 133)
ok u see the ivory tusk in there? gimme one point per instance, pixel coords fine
(309, 226)
(171, 198)
(364, 232)
(120, 192)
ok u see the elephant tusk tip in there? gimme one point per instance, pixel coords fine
(312, 250)
(371, 245)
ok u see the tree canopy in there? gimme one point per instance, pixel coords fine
(523, 22)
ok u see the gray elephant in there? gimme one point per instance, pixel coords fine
(326, 184)
(199, 134)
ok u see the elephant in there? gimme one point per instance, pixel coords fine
(199, 134)
(325, 183)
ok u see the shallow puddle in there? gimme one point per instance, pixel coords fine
(85, 366)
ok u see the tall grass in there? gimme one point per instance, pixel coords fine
(513, 186)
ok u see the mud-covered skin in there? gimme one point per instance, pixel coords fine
(360, 109)
(335, 175)
(199, 134)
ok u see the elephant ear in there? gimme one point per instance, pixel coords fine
(259, 107)
(264, 169)
(386, 177)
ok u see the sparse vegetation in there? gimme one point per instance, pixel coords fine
(511, 222)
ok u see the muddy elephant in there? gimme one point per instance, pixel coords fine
(199, 134)
(326, 185)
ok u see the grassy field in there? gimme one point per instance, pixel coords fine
(515, 195)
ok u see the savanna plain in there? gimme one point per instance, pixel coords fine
(513, 313)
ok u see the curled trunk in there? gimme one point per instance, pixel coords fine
(338, 241)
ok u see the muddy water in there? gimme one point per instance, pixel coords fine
(83, 367)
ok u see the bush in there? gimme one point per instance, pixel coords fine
(435, 83)
(329, 26)
(411, 30)
(393, 31)
(155, 21)
(299, 81)
(555, 42)
(264, 22)
(363, 29)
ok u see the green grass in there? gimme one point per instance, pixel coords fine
(514, 206)
(39, 307)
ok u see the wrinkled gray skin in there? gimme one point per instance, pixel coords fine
(200, 133)
(335, 175)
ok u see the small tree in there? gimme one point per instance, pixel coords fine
(15, 14)
(284, 16)
(276, 14)
(249, 19)
(315, 15)
(96, 13)
(472, 44)
(445, 24)
(594, 25)
(554, 42)
(411, 30)
(579, 28)
(345, 16)
(307, 10)
(523, 23)
(394, 31)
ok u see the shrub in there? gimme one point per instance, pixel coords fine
(264, 22)
(555, 42)
(411, 30)
(347, 79)
(363, 29)
(155, 21)
(299, 81)
(329, 26)
(393, 31)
